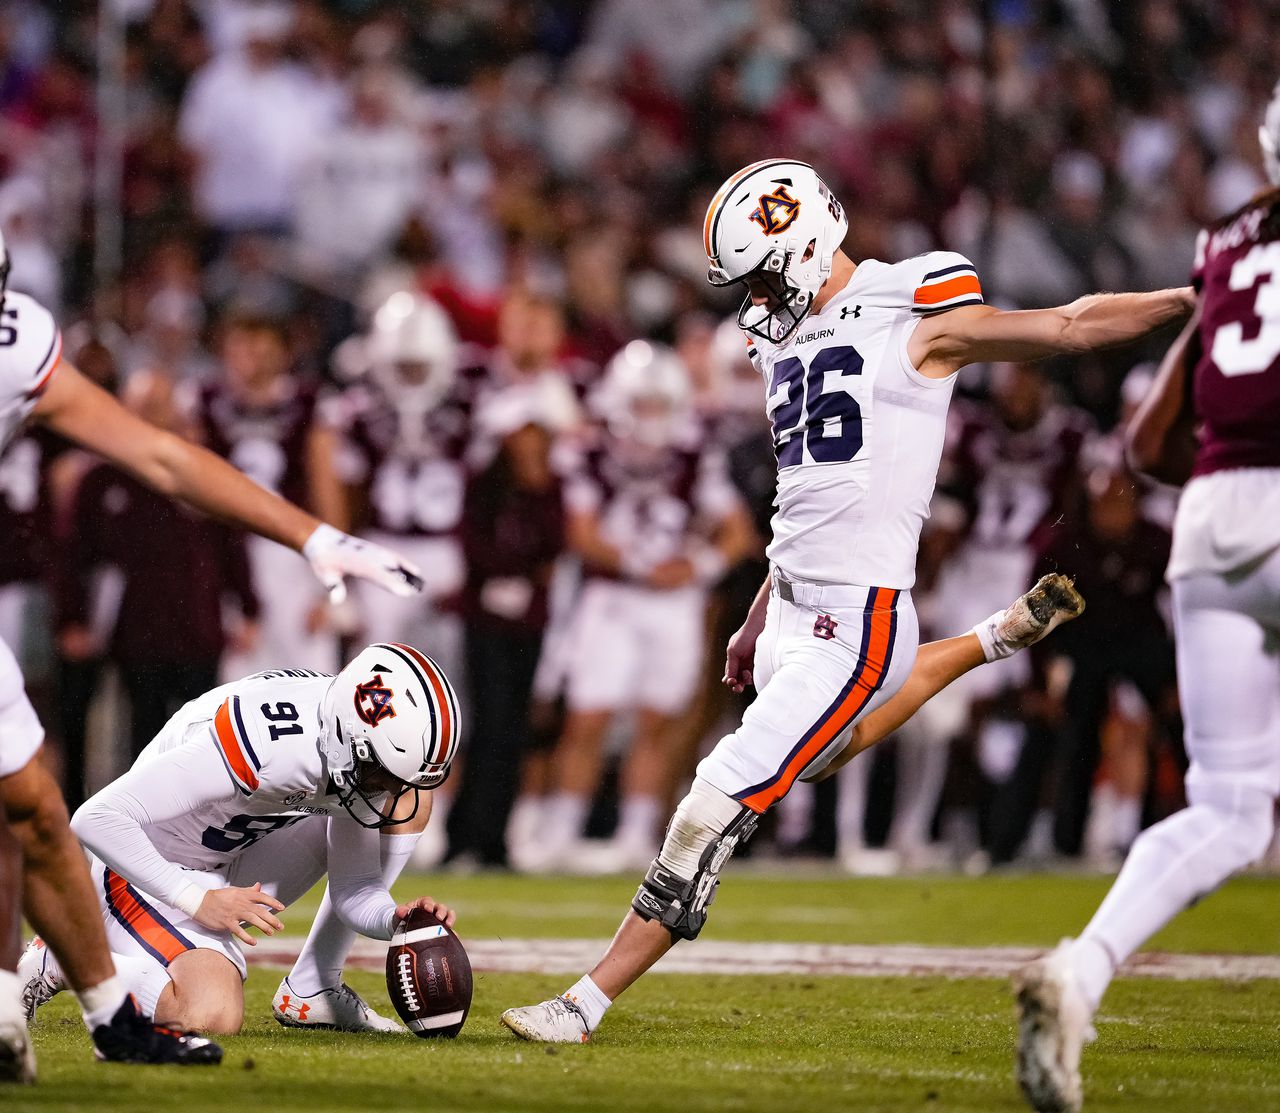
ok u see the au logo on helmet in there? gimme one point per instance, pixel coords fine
(373, 701)
(777, 211)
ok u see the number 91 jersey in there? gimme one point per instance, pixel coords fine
(264, 732)
(858, 431)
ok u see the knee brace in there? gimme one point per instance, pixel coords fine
(703, 834)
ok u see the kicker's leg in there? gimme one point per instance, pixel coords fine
(1027, 620)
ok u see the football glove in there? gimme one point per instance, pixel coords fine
(335, 555)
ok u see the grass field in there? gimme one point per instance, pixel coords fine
(697, 1042)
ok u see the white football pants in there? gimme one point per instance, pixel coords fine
(1228, 637)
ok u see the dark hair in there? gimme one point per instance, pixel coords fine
(1268, 199)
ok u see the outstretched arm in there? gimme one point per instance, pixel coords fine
(943, 343)
(88, 415)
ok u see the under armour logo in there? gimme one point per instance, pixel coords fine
(286, 1006)
(373, 701)
(856, 311)
(824, 627)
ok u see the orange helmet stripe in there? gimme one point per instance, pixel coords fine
(442, 699)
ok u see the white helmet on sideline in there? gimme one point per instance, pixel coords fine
(392, 725)
(644, 394)
(1269, 137)
(412, 348)
(775, 221)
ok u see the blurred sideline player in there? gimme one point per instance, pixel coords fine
(57, 894)
(404, 428)
(1212, 421)
(728, 398)
(1010, 469)
(656, 522)
(860, 360)
(248, 796)
(264, 420)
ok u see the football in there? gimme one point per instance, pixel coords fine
(428, 976)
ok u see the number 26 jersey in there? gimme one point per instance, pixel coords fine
(858, 431)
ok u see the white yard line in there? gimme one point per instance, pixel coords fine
(572, 956)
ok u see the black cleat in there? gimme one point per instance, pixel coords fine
(132, 1038)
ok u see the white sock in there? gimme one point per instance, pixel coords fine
(795, 814)
(565, 818)
(1093, 967)
(994, 647)
(145, 978)
(10, 994)
(1126, 820)
(851, 803)
(524, 823)
(329, 941)
(637, 819)
(587, 996)
(922, 774)
(99, 1003)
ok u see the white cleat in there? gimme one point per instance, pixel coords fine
(341, 1009)
(556, 1021)
(40, 975)
(1035, 615)
(1053, 1027)
(17, 1057)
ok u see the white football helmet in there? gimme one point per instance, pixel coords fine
(1269, 137)
(644, 394)
(392, 725)
(412, 348)
(778, 222)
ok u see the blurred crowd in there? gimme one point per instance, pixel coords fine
(435, 271)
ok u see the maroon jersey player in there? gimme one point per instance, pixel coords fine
(265, 422)
(1221, 380)
(655, 521)
(405, 428)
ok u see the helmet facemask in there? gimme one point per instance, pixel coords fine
(389, 726)
(780, 214)
(370, 794)
(787, 306)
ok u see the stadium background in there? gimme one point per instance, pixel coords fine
(541, 170)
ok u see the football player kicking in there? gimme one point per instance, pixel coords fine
(859, 362)
(1222, 378)
(57, 895)
(249, 796)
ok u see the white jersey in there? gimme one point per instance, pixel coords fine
(234, 766)
(230, 767)
(264, 730)
(857, 429)
(30, 347)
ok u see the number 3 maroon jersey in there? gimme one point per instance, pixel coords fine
(1237, 372)
(857, 429)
